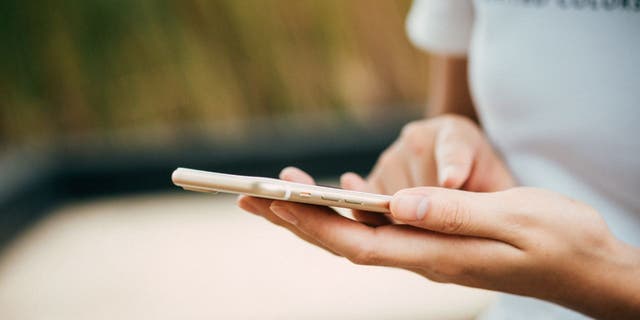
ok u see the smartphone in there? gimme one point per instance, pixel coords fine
(214, 182)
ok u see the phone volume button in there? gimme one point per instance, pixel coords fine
(352, 201)
(330, 198)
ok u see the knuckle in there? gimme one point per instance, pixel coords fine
(454, 120)
(458, 124)
(598, 238)
(432, 274)
(413, 136)
(455, 157)
(596, 234)
(454, 132)
(455, 146)
(365, 255)
(436, 277)
(447, 272)
(375, 182)
(455, 217)
(368, 253)
(386, 157)
(452, 271)
(411, 128)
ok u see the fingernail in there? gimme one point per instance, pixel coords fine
(344, 180)
(284, 214)
(444, 174)
(410, 207)
(283, 173)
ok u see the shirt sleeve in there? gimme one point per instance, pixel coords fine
(441, 26)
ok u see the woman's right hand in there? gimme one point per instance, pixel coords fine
(448, 151)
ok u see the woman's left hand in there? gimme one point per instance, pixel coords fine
(522, 240)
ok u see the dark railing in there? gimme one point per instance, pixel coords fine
(37, 181)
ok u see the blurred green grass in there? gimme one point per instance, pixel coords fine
(72, 67)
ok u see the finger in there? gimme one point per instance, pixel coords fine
(468, 261)
(352, 181)
(422, 170)
(349, 238)
(294, 174)
(455, 212)
(417, 141)
(390, 173)
(392, 245)
(454, 154)
(261, 207)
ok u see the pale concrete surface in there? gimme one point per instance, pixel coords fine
(192, 256)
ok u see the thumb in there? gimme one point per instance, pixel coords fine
(452, 211)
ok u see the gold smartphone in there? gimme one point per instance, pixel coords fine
(213, 182)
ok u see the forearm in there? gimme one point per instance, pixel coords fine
(448, 87)
(609, 288)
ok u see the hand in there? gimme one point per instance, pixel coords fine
(522, 240)
(448, 151)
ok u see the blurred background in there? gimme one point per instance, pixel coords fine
(100, 100)
(78, 68)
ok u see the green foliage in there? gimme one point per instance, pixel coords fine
(72, 67)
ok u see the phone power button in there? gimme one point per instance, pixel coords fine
(274, 191)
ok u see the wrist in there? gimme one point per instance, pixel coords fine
(609, 287)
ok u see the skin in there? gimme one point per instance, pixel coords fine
(458, 216)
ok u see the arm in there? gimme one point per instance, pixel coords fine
(446, 149)
(449, 87)
(525, 241)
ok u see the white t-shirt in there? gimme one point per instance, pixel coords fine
(556, 84)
